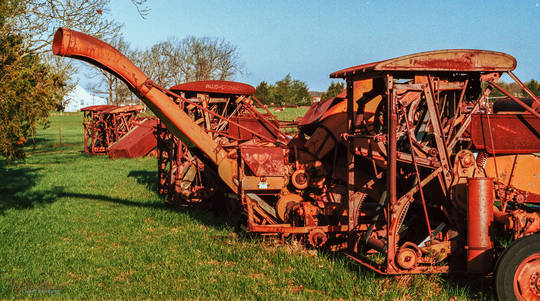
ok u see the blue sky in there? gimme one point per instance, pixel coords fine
(311, 39)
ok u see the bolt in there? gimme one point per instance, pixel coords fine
(535, 283)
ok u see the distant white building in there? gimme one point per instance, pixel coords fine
(79, 98)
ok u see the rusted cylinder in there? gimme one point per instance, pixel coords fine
(481, 194)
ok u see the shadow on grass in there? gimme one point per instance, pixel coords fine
(206, 217)
(467, 285)
(479, 287)
(476, 287)
(58, 157)
(16, 188)
(146, 178)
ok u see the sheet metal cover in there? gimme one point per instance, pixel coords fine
(264, 161)
(216, 86)
(465, 60)
(138, 142)
(317, 110)
(99, 108)
(124, 109)
(511, 133)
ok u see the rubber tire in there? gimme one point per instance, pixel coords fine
(509, 261)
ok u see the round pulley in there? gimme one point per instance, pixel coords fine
(300, 179)
(284, 202)
(407, 256)
(317, 238)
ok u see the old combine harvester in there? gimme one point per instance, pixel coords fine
(411, 163)
(118, 131)
(105, 124)
(181, 176)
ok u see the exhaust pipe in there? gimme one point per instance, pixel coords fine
(73, 44)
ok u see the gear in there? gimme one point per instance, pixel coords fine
(317, 238)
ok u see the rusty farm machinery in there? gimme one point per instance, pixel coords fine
(181, 176)
(105, 124)
(119, 131)
(410, 170)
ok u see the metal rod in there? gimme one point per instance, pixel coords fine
(534, 97)
(417, 175)
(391, 176)
(521, 103)
(265, 108)
(492, 146)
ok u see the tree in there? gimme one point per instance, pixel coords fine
(158, 63)
(514, 89)
(287, 91)
(333, 90)
(36, 20)
(190, 59)
(290, 91)
(115, 90)
(29, 89)
(534, 86)
(263, 92)
(207, 58)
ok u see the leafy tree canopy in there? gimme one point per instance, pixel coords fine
(516, 90)
(333, 90)
(287, 91)
(32, 81)
(534, 86)
(263, 93)
(29, 89)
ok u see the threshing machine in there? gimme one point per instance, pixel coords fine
(105, 124)
(408, 171)
(181, 176)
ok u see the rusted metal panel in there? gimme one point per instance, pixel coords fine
(465, 60)
(520, 172)
(509, 133)
(215, 86)
(266, 183)
(138, 142)
(253, 124)
(98, 108)
(124, 109)
(264, 161)
(316, 111)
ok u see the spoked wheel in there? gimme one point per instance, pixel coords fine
(517, 276)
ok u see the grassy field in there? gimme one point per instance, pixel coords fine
(80, 227)
(288, 114)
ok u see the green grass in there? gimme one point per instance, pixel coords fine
(79, 227)
(289, 114)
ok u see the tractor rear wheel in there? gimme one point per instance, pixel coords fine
(517, 275)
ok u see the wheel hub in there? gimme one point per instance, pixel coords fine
(527, 279)
(535, 283)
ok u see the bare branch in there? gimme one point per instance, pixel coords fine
(190, 59)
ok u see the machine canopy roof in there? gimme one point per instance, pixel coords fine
(451, 60)
(215, 86)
